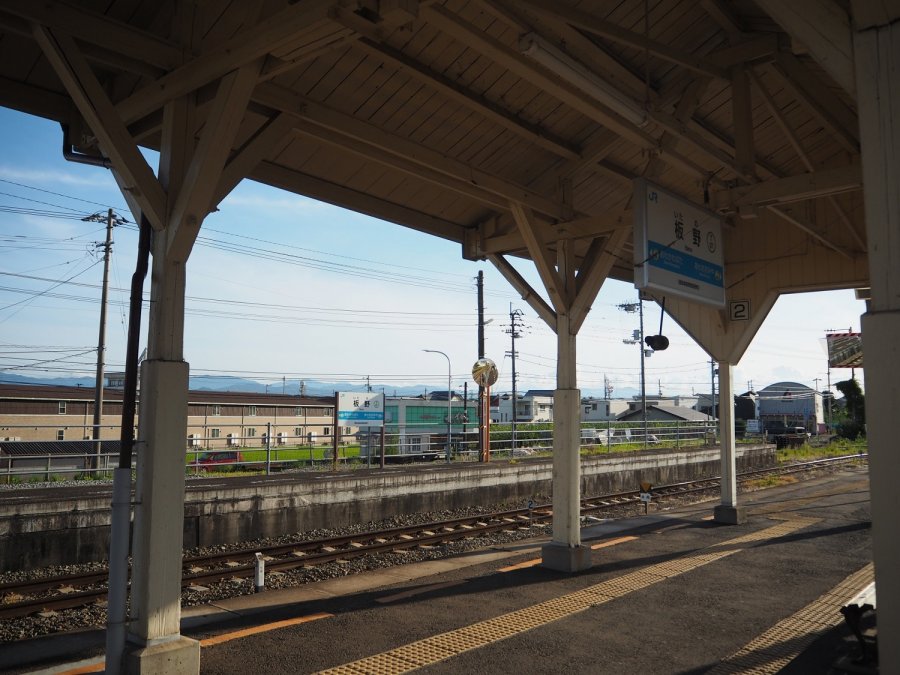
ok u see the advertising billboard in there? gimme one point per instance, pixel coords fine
(844, 350)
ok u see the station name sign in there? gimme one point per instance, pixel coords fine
(363, 410)
(677, 246)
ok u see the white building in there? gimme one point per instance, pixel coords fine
(602, 409)
(536, 405)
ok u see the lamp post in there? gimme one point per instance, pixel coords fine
(449, 413)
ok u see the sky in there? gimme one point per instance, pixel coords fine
(281, 286)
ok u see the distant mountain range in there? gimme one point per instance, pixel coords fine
(290, 386)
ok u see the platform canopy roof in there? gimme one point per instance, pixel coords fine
(513, 128)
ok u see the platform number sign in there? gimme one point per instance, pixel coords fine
(740, 310)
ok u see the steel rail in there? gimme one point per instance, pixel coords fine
(345, 547)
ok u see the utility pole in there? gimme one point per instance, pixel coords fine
(643, 371)
(638, 339)
(111, 219)
(515, 318)
(479, 280)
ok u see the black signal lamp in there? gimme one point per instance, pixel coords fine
(657, 342)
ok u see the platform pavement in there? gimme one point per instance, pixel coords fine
(671, 592)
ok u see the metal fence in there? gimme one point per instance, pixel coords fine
(23, 460)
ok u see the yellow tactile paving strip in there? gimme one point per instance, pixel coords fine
(783, 642)
(431, 650)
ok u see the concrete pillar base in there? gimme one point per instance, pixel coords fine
(564, 558)
(730, 515)
(180, 656)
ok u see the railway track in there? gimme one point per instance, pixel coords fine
(20, 599)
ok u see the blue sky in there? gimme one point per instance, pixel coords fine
(280, 285)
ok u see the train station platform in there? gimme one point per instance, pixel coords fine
(670, 592)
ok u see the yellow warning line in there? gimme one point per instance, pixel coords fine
(537, 561)
(612, 542)
(438, 648)
(786, 640)
(521, 565)
(98, 667)
(226, 637)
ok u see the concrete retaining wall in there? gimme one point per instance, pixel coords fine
(74, 528)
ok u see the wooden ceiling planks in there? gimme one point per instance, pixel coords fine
(387, 86)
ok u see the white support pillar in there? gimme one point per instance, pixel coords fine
(877, 53)
(156, 644)
(566, 553)
(154, 635)
(728, 511)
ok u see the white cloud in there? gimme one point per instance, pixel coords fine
(55, 177)
(289, 203)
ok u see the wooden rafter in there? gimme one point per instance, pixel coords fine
(594, 270)
(616, 33)
(355, 135)
(332, 193)
(823, 27)
(543, 261)
(528, 294)
(810, 230)
(96, 108)
(684, 110)
(98, 29)
(792, 188)
(570, 95)
(723, 14)
(808, 88)
(792, 138)
(742, 113)
(276, 32)
(274, 133)
(463, 96)
(196, 194)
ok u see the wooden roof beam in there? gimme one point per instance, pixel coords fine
(525, 20)
(791, 189)
(339, 195)
(594, 270)
(196, 193)
(615, 33)
(90, 98)
(826, 106)
(723, 14)
(806, 227)
(528, 294)
(273, 134)
(98, 29)
(792, 138)
(571, 95)
(270, 35)
(453, 91)
(823, 28)
(540, 254)
(389, 149)
(742, 114)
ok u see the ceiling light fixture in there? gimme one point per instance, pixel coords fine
(576, 74)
